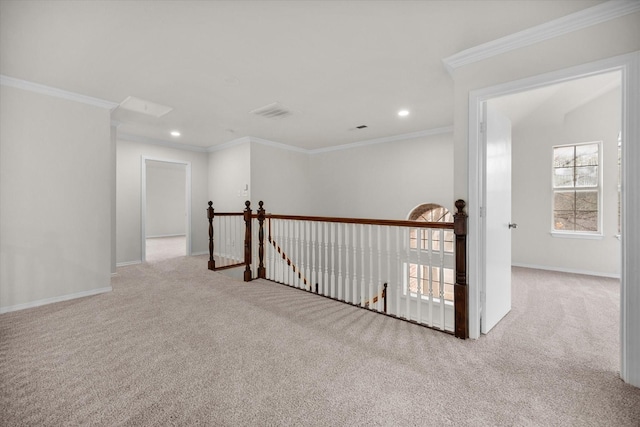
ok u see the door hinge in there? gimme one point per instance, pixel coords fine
(481, 213)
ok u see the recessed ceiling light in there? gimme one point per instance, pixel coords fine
(175, 133)
(403, 113)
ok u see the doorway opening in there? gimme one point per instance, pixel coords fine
(166, 209)
(629, 67)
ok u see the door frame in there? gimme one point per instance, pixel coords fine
(629, 66)
(143, 202)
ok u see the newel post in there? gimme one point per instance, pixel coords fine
(460, 296)
(262, 272)
(247, 241)
(212, 262)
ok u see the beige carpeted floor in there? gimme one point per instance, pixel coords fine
(176, 344)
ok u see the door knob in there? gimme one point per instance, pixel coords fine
(513, 225)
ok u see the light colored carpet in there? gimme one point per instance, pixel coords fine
(176, 344)
(163, 248)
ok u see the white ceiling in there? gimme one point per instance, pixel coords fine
(549, 104)
(334, 64)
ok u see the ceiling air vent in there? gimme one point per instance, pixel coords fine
(272, 111)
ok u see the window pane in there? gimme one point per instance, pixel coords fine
(587, 176)
(563, 220)
(563, 157)
(587, 221)
(564, 200)
(587, 201)
(563, 177)
(587, 155)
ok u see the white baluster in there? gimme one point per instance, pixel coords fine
(332, 233)
(290, 246)
(430, 275)
(314, 274)
(399, 270)
(307, 234)
(441, 290)
(340, 282)
(419, 275)
(379, 281)
(407, 244)
(388, 275)
(347, 266)
(372, 290)
(354, 290)
(363, 280)
(325, 281)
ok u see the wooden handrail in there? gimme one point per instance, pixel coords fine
(365, 221)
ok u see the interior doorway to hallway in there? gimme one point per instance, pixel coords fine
(166, 209)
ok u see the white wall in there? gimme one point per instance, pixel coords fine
(383, 181)
(129, 200)
(55, 199)
(281, 179)
(229, 175)
(166, 199)
(532, 152)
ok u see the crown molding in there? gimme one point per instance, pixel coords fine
(160, 142)
(229, 144)
(576, 21)
(278, 145)
(55, 92)
(401, 137)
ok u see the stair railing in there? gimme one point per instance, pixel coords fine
(411, 270)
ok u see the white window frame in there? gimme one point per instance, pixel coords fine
(577, 234)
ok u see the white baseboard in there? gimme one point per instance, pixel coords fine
(124, 264)
(567, 270)
(200, 253)
(54, 299)
(166, 235)
(114, 274)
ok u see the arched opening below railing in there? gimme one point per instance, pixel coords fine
(369, 263)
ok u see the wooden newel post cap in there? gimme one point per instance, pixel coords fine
(247, 204)
(210, 203)
(460, 205)
(260, 204)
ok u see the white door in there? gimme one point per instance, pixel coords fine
(496, 298)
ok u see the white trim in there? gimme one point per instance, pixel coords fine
(229, 144)
(567, 270)
(127, 263)
(557, 27)
(55, 92)
(114, 275)
(143, 202)
(577, 235)
(159, 236)
(629, 66)
(401, 137)
(199, 253)
(52, 300)
(145, 140)
(278, 145)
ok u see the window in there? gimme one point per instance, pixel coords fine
(436, 244)
(576, 188)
